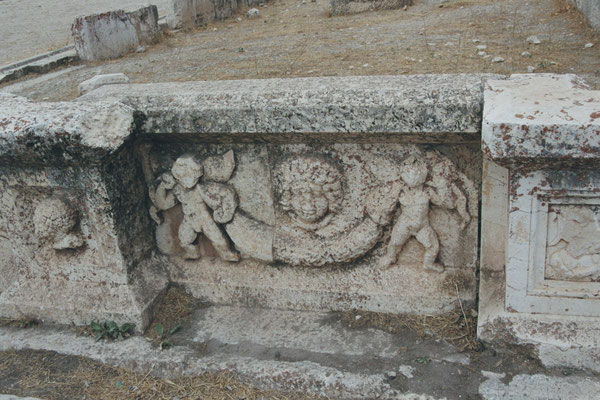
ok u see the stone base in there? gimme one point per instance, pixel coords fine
(401, 289)
(557, 340)
(79, 302)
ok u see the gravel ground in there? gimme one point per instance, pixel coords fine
(292, 38)
(31, 27)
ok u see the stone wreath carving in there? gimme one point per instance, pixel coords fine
(206, 200)
(56, 222)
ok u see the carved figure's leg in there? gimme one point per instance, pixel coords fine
(187, 236)
(461, 206)
(428, 238)
(400, 234)
(214, 234)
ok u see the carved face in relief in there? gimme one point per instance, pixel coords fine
(187, 170)
(413, 172)
(310, 190)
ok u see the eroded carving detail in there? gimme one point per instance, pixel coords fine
(415, 193)
(310, 190)
(206, 201)
(317, 222)
(573, 249)
(56, 221)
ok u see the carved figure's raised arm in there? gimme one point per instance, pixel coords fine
(164, 198)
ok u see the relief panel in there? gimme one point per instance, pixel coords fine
(307, 206)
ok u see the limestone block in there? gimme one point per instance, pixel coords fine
(74, 242)
(304, 219)
(115, 33)
(101, 80)
(377, 210)
(181, 13)
(541, 205)
(543, 117)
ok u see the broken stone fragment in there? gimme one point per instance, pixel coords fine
(101, 80)
(253, 13)
(219, 168)
(533, 40)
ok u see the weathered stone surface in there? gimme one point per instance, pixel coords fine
(539, 272)
(115, 33)
(543, 117)
(181, 13)
(291, 209)
(540, 387)
(74, 239)
(101, 80)
(190, 13)
(61, 133)
(418, 109)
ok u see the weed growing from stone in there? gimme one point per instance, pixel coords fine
(111, 330)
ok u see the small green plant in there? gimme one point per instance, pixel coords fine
(423, 360)
(164, 338)
(111, 330)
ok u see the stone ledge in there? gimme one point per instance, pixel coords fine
(419, 108)
(61, 133)
(541, 118)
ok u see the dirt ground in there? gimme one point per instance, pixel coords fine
(31, 27)
(292, 39)
(48, 375)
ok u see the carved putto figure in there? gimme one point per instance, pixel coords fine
(198, 197)
(415, 195)
(310, 190)
(56, 221)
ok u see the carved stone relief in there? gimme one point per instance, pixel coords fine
(328, 209)
(573, 243)
(56, 222)
(206, 201)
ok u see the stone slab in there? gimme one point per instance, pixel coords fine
(61, 132)
(115, 33)
(39, 65)
(419, 108)
(541, 117)
(101, 80)
(540, 387)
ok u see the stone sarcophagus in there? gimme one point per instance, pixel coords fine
(540, 273)
(320, 194)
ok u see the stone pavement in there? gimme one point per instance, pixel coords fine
(31, 27)
(318, 353)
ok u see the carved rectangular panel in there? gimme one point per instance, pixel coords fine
(554, 244)
(389, 225)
